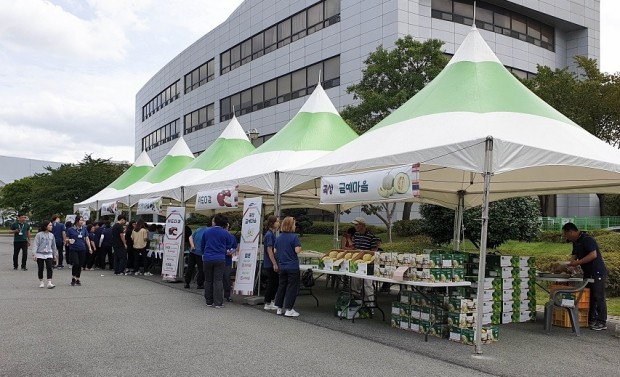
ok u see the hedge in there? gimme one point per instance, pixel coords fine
(406, 228)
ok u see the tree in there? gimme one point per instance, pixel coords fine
(509, 219)
(390, 79)
(387, 218)
(17, 195)
(302, 220)
(589, 98)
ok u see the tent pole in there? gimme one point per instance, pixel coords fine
(129, 208)
(181, 268)
(458, 221)
(276, 196)
(488, 168)
(336, 226)
(97, 210)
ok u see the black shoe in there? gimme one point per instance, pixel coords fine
(73, 282)
(24, 268)
(228, 299)
(77, 282)
(186, 286)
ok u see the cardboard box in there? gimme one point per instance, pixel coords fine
(425, 327)
(506, 317)
(491, 319)
(396, 307)
(436, 259)
(508, 283)
(491, 307)
(416, 311)
(507, 294)
(521, 306)
(462, 320)
(405, 310)
(489, 335)
(425, 313)
(458, 260)
(507, 306)
(499, 261)
(489, 283)
(440, 330)
(423, 260)
(500, 272)
(441, 275)
(395, 321)
(520, 295)
(462, 305)
(458, 274)
(414, 324)
(404, 323)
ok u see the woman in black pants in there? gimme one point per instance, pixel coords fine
(270, 266)
(80, 245)
(44, 252)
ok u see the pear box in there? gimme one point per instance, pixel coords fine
(458, 274)
(442, 275)
(461, 305)
(416, 311)
(396, 308)
(404, 322)
(488, 283)
(395, 321)
(414, 324)
(462, 320)
(439, 330)
(425, 327)
(491, 318)
(458, 260)
(425, 314)
(438, 315)
(521, 306)
(436, 259)
(446, 260)
(423, 260)
(405, 297)
(500, 272)
(497, 261)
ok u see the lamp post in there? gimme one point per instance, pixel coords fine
(252, 134)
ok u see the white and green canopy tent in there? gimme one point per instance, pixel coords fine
(316, 130)
(479, 135)
(139, 169)
(177, 158)
(232, 145)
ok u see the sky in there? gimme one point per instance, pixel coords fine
(70, 69)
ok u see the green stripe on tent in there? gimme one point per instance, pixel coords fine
(310, 132)
(129, 177)
(166, 168)
(221, 153)
(466, 86)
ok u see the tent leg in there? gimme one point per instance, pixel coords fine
(181, 267)
(488, 167)
(458, 221)
(336, 226)
(276, 194)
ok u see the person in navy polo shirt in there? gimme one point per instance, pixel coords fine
(80, 245)
(270, 266)
(286, 247)
(587, 254)
(215, 243)
(60, 235)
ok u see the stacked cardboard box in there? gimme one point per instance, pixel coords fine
(430, 265)
(346, 307)
(421, 312)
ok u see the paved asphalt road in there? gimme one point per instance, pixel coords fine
(130, 326)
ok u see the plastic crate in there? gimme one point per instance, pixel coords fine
(584, 302)
(561, 318)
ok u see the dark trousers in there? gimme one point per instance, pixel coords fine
(60, 247)
(214, 282)
(273, 280)
(130, 259)
(68, 254)
(287, 289)
(103, 252)
(227, 272)
(139, 260)
(598, 306)
(79, 259)
(48, 262)
(91, 258)
(120, 259)
(17, 246)
(194, 261)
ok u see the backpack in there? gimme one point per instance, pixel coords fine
(307, 278)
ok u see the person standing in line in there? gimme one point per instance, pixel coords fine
(80, 245)
(194, 260)
(216, 242)
(140, 237)
(44, 252)
(286, 247)
(119, 245)
(270, 266)
(60, 235)
(21, 240)
(90, 258)
(587, 254)
(130, 250)
(106, 246)
(228, 266)
(68, 225)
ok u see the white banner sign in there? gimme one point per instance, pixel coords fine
(248, 247)
(70, 218)
(109, 208)
(149, 206)
(84, 212)
(173, 237)
(397, 183)
(217, 199)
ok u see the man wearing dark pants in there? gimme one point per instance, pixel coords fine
(120, 246)
(60, 235)
(216, 242)
(21, 240)
(587, 254)
(194, 260)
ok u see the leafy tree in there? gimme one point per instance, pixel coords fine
(17, 195)
(509, 219)
(390, 79)
(385, 213)
(302, 220)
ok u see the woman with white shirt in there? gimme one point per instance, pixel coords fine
(44, 252)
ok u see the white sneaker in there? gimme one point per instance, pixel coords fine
(278, 311)
(42, 285)
(270, 306)
(267, 307)
(148, 274)
(50, 285)
(291, 313)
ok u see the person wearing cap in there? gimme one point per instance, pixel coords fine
(364, 240)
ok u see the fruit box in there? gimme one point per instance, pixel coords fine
(396, 308)
(395, 321)
(489, 283)
(492, 319)
(467, 336)
(458, 274)
(462, 320)
(501, 272)
(499, 261)
(458, 260)
(461, 305)
(364, 268)
(441, 275)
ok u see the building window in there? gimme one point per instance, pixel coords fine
(499, 20)
(161, 135)
(199, 76)
(299, 25)
(198, 119)
(281, 89)
(159, 101)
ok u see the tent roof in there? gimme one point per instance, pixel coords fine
(314, 131)
(232, 145)
(536, 150)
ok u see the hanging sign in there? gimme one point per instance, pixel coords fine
(70, 218)
(109, 208)
(217, 199)
(173, 237)
(84, 212)
(397, 183)
(149, 206)
(248, 247)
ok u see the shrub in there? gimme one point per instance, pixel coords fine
(551, 236)
(406, 228)
(608, 242)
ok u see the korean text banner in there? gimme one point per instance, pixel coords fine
(149, 206)
(217, 199)
(396, 183)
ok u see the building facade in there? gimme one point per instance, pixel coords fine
(267, 56)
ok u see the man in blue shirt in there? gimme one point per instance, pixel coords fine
(194, 259)
(60, 235)
(215, 243)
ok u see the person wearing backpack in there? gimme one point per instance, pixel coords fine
(286, 247)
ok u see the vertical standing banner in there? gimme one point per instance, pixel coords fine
(173, 237)
(248, 247)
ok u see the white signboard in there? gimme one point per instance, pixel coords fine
(217, 199)
(173, 237)
(84, 212)
(397, 183)
(248, 247)
(109, 208)
(149, 206)
(70, 218)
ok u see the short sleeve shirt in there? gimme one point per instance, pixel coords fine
(365, 241)
(21, 228)
(285, 251)
(57, 229)
(584, 245)
(117, 233)
(268, 241)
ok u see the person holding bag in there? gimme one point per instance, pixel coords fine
(45, 253)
